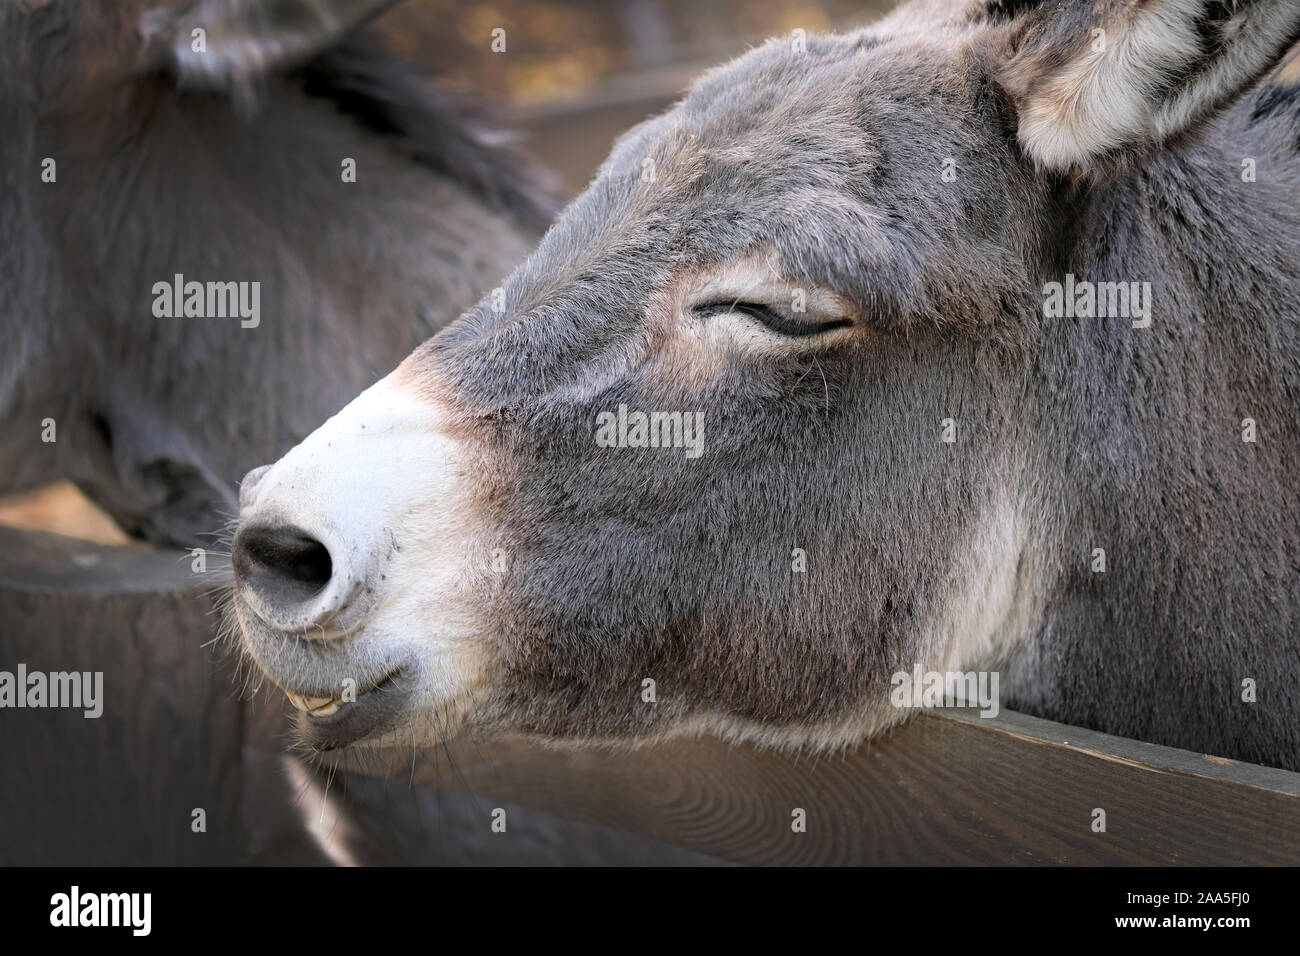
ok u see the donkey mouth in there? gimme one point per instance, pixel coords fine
(328, 723)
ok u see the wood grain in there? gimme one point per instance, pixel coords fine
(119, 788)
(946, 788)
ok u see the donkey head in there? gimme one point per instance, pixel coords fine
(686, 471)
(219, 141)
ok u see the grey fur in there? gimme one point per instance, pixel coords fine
(233, 174)
(1073, 434)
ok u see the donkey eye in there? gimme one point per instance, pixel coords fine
(773, 319)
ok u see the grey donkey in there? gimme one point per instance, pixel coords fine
(219, 221)
(963, 343)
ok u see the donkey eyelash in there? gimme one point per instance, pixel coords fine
(771, 318)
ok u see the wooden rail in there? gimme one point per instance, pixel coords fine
(947, 787)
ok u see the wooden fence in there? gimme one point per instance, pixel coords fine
(176, 736)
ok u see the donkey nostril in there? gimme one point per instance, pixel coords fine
(285, 565)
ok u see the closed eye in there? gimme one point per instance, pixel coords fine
(773, 319)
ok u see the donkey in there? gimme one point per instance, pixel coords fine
(264, 150)
(843, 260)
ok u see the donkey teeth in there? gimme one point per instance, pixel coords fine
(316, 706)
(332, 707)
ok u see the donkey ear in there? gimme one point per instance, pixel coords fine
(222, 44)
(1096, 81)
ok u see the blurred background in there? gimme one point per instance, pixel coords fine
(575, 74)
(578, 72)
